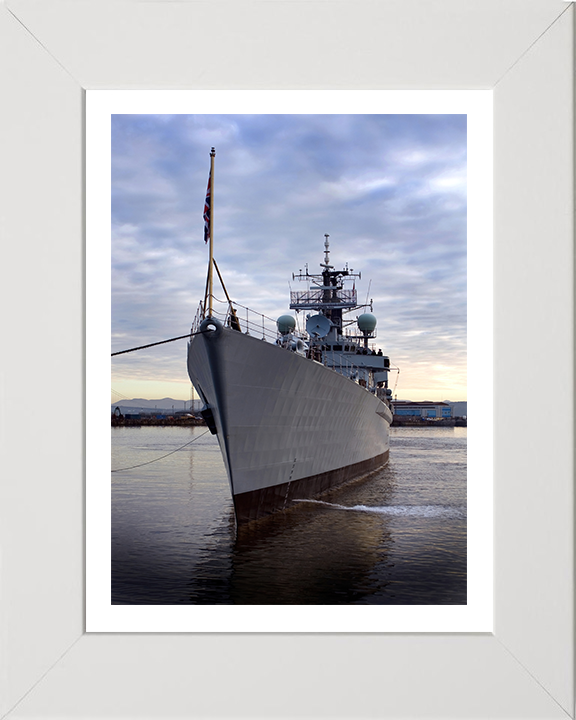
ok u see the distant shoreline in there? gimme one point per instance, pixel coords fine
(194, 421)
(424, 422)
(152, 421)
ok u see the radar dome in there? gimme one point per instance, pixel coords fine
(366, 323)
(285, 324)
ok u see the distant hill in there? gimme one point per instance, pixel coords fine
(164, 403)
(144, 405)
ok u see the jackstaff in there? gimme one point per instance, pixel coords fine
(209, 226)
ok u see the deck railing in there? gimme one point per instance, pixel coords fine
(249, 321)
(341, 364)
(313, 298)
(261, 326)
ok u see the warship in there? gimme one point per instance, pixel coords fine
(298, 409)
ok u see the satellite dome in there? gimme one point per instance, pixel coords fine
(285, 324)
(366, 323)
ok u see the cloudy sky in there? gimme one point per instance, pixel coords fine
(390, 190)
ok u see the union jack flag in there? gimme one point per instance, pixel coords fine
(206, 215)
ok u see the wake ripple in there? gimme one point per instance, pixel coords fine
(430, 511)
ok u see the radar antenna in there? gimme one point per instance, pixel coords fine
(326, 252)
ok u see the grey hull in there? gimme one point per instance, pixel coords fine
(287, 426)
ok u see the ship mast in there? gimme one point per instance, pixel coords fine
(211, 261)
(326, 272)
(329, 296)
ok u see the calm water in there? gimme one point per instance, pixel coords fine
(398, 537)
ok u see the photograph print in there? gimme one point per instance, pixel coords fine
(289, 359)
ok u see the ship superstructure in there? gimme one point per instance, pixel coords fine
(333, 339)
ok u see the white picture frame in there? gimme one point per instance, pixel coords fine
(54, 50)
(476, 613)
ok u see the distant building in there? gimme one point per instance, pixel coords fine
(432, 410)
(459, 409)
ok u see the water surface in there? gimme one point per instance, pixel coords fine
(397, 537)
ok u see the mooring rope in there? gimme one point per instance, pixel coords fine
(162, 342)
(163, 456)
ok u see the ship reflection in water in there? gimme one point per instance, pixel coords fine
(321, 555)
(395, 537)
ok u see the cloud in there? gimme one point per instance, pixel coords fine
(389, 190)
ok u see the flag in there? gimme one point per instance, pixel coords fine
(206, 215)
